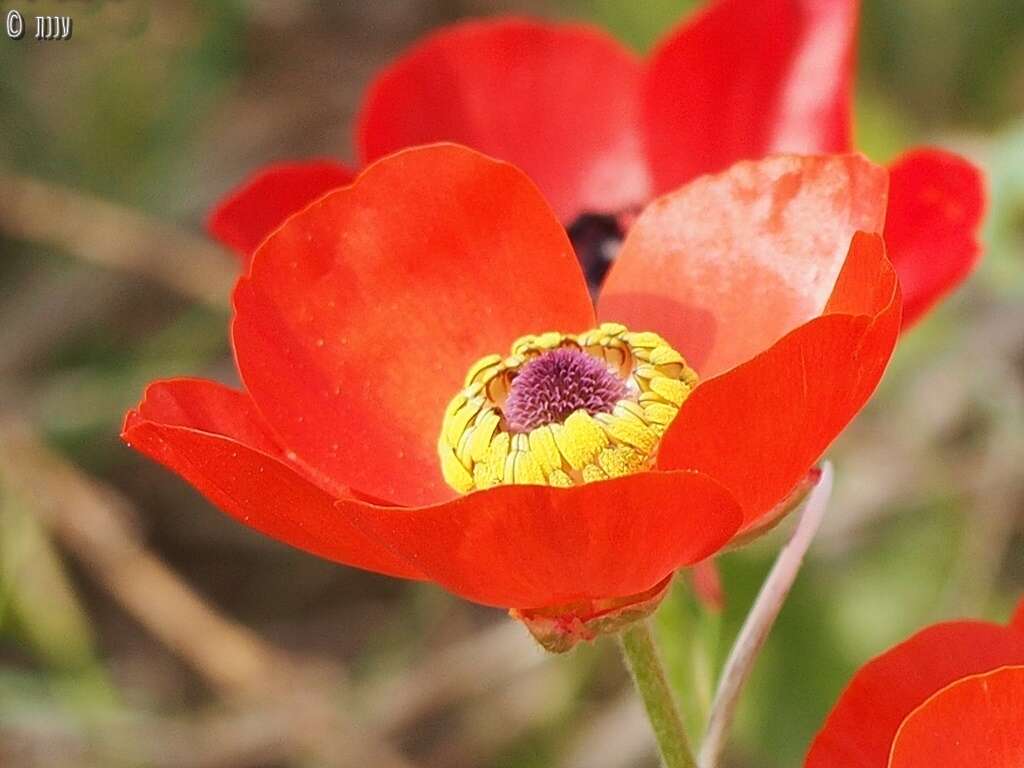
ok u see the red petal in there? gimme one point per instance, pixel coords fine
(258, 206)
(558, 100)
(362, 314)
(977, 721)
(531, 546)
(936, 202)
(1018, 618)
(212, 437)
(206, 406)
(727, 265)
(748, 78)
(760, 427)
(860, 729)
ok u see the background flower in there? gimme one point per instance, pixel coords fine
(601, 132)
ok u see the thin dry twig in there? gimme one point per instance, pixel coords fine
(116, 237)
(760, 620)
(92, 522)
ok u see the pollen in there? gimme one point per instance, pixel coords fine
(563, 409)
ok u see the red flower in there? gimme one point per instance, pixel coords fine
(601, 131)
(950, 695)
(360, 317)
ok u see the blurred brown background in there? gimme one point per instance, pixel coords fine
(139, 627)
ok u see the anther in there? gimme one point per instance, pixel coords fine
(562, 410)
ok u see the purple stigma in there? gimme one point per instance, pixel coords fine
(551, 387)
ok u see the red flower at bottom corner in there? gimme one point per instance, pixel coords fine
(430, 393)
(951, 695)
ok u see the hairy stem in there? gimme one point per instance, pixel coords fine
(642, 659)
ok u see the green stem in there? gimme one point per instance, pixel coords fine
(642, 659)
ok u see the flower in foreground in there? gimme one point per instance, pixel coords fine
(430, 393)
(601, 131)
(951, 695)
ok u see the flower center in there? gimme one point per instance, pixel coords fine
(551, 387)
(563, 410)
(596, 239)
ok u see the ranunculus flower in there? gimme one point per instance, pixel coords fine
(601, 131)
(430, 393)
(951, 695)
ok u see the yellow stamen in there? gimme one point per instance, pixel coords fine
(478, 448)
